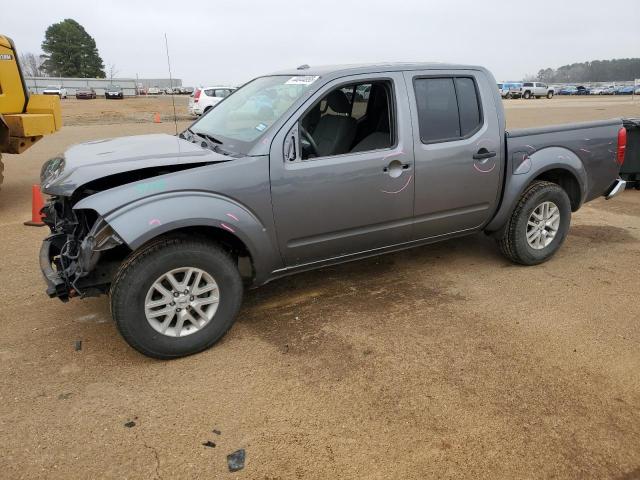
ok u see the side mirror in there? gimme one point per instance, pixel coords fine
(291, 145)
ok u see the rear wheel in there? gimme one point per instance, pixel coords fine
(176, 297)
(538, 225)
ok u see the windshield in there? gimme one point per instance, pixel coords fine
(241, 118)
(113, 87)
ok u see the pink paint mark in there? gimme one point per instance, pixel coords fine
(155, 221)
(231, 215)
(227, 227)
(398, 191)
(484, 171)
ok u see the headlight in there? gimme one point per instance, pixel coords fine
(51, 169)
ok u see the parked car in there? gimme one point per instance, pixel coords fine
(637, 90)
(86, 93)
(598, 90)
(626, 90)
(186, 90)
(55, 90)
(113, 92)
(582, 90)
(536, 89)
(610, 90)
(511, 90)
(205, 98)
(568, 90)
(153, 91)
(283, 176)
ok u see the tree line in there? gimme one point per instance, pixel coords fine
(618, 69)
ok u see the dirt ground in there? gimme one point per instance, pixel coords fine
(444, 361)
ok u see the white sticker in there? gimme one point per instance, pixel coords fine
(302, 80)
(260, 127)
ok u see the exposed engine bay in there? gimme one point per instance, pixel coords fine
(82, 253)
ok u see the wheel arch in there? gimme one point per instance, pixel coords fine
(198, 213)
(554, 164)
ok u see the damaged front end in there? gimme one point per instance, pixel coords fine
(82, 253)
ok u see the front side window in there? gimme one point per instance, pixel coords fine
(242, 118)
(448, 108)
(349, 119)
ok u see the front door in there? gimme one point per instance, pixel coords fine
(458, 151)
(342, 171)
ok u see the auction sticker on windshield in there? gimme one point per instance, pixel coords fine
(302, 80)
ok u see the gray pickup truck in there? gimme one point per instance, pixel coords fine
(301, 169)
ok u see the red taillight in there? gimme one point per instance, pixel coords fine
(622, 145)
(196, 95)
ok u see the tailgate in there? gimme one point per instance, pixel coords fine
(631, 167)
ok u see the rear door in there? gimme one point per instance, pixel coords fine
(336, 205)
(458, 147)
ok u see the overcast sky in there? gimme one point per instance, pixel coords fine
(231, 41)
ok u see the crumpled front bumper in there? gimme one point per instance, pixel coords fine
(56, 285)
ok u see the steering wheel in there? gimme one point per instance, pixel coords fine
(312, 143)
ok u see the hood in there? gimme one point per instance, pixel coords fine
(97, 159)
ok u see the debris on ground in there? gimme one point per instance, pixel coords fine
(209, 444)
(64, 396)
(130, 424)
(216, 431)
(78, 345)
(236, 460)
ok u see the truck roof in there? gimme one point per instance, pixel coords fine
(354, 69)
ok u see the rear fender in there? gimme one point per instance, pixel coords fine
(527, 164)
(140, 221)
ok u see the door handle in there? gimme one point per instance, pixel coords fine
(483, 154)
(396, 166)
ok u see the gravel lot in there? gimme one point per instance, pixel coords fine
(445, 361)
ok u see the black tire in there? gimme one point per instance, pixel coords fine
(144, 266)
(550, 95)
(527, 95)
(513, 243)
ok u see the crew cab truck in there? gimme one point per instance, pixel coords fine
(296, 171)
(536, 89)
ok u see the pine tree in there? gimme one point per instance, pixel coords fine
(71, 52)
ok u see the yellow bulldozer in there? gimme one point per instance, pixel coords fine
(24, 118)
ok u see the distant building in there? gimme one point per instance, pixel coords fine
(128, 85)
(162, 83)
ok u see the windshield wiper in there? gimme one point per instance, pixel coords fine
(205, 135)
(210, 140)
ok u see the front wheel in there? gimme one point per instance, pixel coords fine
(538, 225)
(176, 297)
(550, 95)
(527, 95)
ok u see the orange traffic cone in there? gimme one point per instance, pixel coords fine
(37, 203)
(156, 118)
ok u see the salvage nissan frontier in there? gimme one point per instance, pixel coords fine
(301, 169)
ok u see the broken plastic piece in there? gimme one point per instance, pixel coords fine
(235, 461)
(130, 424)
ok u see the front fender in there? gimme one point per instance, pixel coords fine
(524, 167)
(140, 221)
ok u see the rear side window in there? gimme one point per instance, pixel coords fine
(528, 84)
(448, 108)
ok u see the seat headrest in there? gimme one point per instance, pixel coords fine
(339, 102)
